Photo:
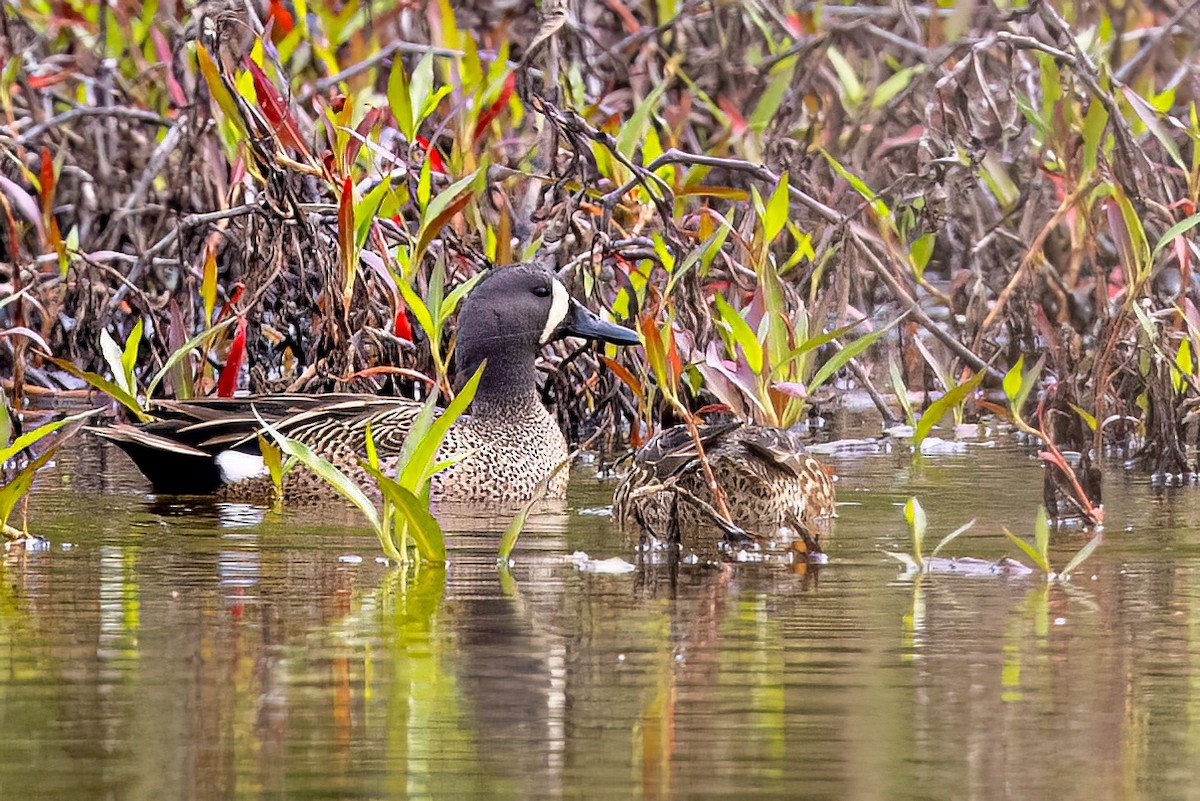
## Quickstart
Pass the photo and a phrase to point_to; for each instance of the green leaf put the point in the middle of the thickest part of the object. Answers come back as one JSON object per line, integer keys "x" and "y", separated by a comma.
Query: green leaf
{"x": 325, "y": 471}
{"x": 1028, "y": 550}
{"x": 101, "y": 383}
{"x": 425, "y": 183}
{"x": 1012, "y": 379}
{"x": 742, "y": 333}
{"x": 400, "y": 99}
{"x": 427, "y": 447}
{"x": 878, "y": 206}
{"x": 420, "y": 87}
{"x": 852, "y": 88}
{"x": 634, "y": 129}
{"x": 1082, "y": 554}
{"x": 1041, "y": 535}
{"x": 6, "y": 424}
{"x": 30, "y": 437}
{"x": 182, "y": 352}
{"x": 16, "y": 489}
{"x": 893, "y": 86}
{"x": 943, "y": 406}
{"x": 416, "y": 305}
{"x": 372, "y": 451}
{"x": 273, "y": 460}
{"x": 1094, "y": 125}
{"x": 843, "y": 356}
{"x": 1087, "y": 418}
{"x": 435, "y": 215}
{"x": 419, "y": 522}
{"x": 455, "y": 296}
{"x": 417, "y": 432}
{"x": 130, "y": 354}
{"x": 1183, "y": 366}
{"x": 772, "y": 97}
{"x": 901, "y": 391}
{"x": 113, "y": 358}
{"x": 1179, "y": 228}
{"x": 776, "y": 215}
{"x": 1149, "y": 116}
{"x": 917, "y": 523}
{"x": 921, "y": 251}
{"x": 952, "y": 536}
{"x": 1022, "y": 383}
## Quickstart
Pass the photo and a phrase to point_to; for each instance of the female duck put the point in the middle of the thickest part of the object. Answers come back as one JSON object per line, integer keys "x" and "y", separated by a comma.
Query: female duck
{"x": 504, "y": 448}
{"x": 769, "y": 484}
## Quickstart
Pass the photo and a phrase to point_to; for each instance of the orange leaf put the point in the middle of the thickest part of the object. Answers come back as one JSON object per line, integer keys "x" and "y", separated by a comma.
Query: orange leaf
{"x": 437, "y": 223}
{"x": 622, "y": 372}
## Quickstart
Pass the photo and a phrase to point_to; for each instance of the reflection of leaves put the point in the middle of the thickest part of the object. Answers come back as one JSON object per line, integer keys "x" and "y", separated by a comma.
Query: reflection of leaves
{"x": 517, "y": 524}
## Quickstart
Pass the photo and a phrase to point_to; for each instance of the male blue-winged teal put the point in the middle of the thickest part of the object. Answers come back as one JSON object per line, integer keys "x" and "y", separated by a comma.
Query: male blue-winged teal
{"x": 506, "y": 445}
{"x": 770, "y": 483}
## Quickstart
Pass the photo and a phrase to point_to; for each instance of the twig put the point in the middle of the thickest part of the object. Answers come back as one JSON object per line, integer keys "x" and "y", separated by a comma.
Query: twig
{"x": 137, "y": 114}
{"x": 375, "y": 59}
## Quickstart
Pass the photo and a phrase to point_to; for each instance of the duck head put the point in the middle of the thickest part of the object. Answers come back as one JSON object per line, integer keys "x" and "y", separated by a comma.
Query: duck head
{"x": 507, "y": 318}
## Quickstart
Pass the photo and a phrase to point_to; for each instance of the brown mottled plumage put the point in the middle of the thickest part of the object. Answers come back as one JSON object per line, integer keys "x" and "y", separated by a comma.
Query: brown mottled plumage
{"x": 504, "y": 448}
{"x": 770, "y": 483}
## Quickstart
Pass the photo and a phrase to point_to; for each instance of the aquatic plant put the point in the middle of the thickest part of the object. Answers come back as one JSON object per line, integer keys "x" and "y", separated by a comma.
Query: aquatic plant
{"x": 1038, "y": 551}
{"x": 917, "y": 561}
{"x": 122, "y": 361}
{"x": 333, "y": 160}
{"x": 18, "y": 478}
{"x": 405, "y": 514}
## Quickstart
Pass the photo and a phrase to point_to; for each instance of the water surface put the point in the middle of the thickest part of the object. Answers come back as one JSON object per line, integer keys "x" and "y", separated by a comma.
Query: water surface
{"x": 185, "y": 650}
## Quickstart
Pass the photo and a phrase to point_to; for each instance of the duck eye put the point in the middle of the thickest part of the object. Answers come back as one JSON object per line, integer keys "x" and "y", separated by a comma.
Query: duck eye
{"x": 542, "y": 291}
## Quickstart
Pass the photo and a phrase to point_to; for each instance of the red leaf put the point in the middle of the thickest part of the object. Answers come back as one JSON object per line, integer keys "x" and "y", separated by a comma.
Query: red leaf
{"x": 276, "y": 109}
{"x": 737, "y": 122}
{"x": 355, "y": 143}
{"x": 282, "y": 19}
{"x": 51, "y": 79}
{"x": 163, "y": 50}
{"x": 46, "y": 178}
{"x": 435, "y": 158}
{"x": 233, "y": 296}
{"x": 402, "y": 327}
{"x": 227, "y": 383}
{"x": 493, "y": 111}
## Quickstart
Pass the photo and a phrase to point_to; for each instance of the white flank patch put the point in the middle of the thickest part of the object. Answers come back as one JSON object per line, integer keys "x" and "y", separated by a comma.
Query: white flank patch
{"x": 559, "y": 304}
{"x": 236, "y": 466}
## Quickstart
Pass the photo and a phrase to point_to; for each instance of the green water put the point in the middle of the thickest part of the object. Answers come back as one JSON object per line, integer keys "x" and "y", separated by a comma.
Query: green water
{"x": 177, "y": 652}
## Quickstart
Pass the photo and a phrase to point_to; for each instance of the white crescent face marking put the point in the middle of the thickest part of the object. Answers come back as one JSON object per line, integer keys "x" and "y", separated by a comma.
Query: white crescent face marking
{"x": 560, "y": 302}
{"x": 236, "y": 466}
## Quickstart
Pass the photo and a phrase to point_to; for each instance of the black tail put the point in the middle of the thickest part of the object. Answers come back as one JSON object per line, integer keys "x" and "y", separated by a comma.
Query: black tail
{"x": 172, "y": 467}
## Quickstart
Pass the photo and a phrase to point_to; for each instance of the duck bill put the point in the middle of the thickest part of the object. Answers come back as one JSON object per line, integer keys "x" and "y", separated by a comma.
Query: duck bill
{"x": 582, "y": 322}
